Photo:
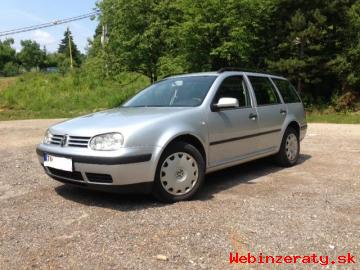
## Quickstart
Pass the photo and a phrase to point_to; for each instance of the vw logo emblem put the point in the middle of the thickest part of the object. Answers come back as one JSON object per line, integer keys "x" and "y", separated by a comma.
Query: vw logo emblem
{"x": 64, "y": 140}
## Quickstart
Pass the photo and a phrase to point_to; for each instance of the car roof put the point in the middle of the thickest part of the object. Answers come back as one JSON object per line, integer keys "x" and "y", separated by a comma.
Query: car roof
{"x": 213, "y": 73}
{"x": 234, "y": 72}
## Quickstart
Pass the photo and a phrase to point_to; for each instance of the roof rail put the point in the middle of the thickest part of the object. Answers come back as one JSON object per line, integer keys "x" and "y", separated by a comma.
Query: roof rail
{"x": 225, "y": 69}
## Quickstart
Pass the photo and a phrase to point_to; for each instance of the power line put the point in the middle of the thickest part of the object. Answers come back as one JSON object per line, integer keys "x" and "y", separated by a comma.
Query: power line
{"x": 49, "y": 24}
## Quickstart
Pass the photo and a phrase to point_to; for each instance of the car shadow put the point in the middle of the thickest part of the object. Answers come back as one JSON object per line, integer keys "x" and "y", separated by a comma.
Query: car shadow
{"x": 214, "y": 183}
{"x": 120, "y": 202}
{"x": 241, "y": 174}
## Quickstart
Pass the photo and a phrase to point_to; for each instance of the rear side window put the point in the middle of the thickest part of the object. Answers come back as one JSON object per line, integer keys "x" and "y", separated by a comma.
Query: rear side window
{"x": 264, "y": 90}
{"x": 287, "y": 91}
{"x": 234, "y": 87}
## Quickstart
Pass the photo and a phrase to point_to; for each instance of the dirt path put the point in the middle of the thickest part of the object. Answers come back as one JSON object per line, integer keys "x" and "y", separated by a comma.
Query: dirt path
{"x": 258, "y": 207}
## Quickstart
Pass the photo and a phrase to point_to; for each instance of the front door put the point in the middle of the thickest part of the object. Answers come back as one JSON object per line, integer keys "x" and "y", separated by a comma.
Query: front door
{"x": 231, "y": 130}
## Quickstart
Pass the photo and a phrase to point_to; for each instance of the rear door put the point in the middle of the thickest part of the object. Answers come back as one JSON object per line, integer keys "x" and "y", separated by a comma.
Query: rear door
{"x": 271, "y": 112}
{"x": 231, "y": 130}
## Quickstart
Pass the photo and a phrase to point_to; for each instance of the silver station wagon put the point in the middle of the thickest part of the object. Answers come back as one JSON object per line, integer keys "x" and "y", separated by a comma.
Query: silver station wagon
{"x": 167, "y": 137}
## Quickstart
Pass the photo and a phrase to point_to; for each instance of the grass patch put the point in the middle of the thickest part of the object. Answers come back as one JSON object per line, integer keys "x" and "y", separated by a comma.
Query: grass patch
{"x": 37, "y": 95}
{"x": 337, "y": 118}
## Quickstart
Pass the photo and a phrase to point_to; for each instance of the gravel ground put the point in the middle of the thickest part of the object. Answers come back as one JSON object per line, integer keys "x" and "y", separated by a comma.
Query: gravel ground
{"x": 257, "y": 207}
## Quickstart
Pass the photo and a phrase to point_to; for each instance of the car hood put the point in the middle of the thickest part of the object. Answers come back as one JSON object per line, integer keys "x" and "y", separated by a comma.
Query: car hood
{"x": 114, "y": 120}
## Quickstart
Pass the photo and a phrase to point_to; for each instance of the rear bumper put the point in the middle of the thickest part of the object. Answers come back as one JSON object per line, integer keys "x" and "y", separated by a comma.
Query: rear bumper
{"x": 135, "y": 166}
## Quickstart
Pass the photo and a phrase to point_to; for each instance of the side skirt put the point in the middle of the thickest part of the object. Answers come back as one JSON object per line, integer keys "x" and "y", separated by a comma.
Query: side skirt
{"x": 242, "y": 159}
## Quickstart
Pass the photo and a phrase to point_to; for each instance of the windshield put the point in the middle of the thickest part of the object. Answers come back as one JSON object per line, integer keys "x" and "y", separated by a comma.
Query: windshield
{"x": 174, "y": 92}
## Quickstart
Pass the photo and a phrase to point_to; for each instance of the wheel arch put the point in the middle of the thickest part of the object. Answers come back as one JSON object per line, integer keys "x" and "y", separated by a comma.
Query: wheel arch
{"x": 295, "y": 125}
{"x": 191, "y": 139}
{"x": 162, "y": 192}
{"x": 289, "y": 123}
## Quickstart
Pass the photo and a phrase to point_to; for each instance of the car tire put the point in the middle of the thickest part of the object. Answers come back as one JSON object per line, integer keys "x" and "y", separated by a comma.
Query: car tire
{"x": 288, "y": 154}
{"x": 179, "y": 174}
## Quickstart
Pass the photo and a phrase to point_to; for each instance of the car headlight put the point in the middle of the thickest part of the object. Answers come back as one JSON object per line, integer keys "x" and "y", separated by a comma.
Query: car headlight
{"x": 107, "y": 142}
{"x": 47, "y": 137}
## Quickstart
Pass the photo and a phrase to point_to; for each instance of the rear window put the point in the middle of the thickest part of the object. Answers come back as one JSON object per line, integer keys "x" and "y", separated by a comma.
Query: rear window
{"x": 264, "y": 90}
{"x": 287, "y": 91}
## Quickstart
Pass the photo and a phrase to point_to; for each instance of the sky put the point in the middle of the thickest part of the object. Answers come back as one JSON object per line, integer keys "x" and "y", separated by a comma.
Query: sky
{"x": 22, "y": 13}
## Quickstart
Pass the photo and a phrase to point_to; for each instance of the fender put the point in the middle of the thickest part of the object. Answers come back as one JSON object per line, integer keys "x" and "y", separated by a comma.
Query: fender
{"x": 170, "y": 135}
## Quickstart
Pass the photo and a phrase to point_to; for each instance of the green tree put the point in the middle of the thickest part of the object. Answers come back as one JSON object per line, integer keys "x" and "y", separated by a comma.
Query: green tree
{"x": 7, "y": 53}
{"x": 308, "y": 36}
{"x": 52, "y": 59}
{"x": 316, "y": 44}
{"x": 10, "y": 69}
{"x": 63, "y": 64}
{"x": 346, "y": 64}
{"x": 217, "y": 34}
{"x": 94, "y": 44}
{"x": 64, "y": 48}
{"x": 138, "y": 34}
{"x": 300, "y": 41}
{"x": 31, "y": 55}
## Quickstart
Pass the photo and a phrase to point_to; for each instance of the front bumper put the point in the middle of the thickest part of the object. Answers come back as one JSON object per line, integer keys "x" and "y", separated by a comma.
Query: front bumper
{"x": 96, "y": 169}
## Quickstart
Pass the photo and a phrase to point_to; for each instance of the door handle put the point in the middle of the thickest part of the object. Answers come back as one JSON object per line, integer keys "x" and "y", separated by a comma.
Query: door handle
{"x": 283, "y": 112}
{"x": 253, "y": 116}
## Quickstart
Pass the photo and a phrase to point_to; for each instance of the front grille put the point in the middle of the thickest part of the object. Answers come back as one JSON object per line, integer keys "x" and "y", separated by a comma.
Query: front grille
{"x": 78, "y": 141}
{"x": 64, "y": 174}
{"x": 72, "y": 141}
{"x": 99, "y": 178}
{"x": 56, "y": 139}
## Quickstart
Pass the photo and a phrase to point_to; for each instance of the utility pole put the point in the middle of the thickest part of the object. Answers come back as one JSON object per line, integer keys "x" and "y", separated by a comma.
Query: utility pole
{"x": 104, "y": 40}
{"x": 104, "y": 35}
{"x": 71, "y": 58}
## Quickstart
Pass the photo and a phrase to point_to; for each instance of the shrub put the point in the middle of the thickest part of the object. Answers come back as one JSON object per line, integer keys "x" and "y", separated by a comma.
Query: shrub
{"x": 10, "y": 69}
{"x": 346, "y": 102}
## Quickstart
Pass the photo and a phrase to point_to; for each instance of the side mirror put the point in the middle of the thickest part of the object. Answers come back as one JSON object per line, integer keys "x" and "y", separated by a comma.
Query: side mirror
{"x": 226, "y": 103}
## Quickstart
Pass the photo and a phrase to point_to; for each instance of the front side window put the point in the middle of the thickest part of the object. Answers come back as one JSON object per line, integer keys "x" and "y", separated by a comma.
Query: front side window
{"x": 287, "y": 91}
{"x": 234, "y": 87}
{"x": 174, "y": 92}
{"x": 264, "y": 91}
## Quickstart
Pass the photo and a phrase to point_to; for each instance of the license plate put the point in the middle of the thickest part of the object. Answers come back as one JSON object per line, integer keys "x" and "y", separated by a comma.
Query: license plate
{"x": 59, "y": 163}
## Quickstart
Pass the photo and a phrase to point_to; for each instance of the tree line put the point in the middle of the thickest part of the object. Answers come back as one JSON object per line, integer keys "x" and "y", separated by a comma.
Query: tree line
{"x": 316, "y": 44}
{"x": 33, "y": 57}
